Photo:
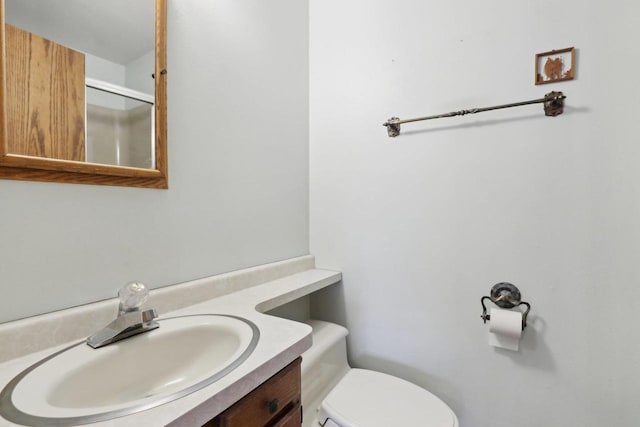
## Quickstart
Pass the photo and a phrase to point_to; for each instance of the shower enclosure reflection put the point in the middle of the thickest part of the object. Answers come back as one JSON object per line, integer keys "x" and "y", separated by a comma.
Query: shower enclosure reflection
{"x": 119, "y": 129}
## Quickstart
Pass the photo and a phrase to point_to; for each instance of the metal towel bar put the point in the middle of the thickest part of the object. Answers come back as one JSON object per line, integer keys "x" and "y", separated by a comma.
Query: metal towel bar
{"x": 553, "y": 106}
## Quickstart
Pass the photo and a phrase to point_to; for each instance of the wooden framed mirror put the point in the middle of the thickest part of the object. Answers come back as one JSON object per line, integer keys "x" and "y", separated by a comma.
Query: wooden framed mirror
{"x": 53, "y": 127}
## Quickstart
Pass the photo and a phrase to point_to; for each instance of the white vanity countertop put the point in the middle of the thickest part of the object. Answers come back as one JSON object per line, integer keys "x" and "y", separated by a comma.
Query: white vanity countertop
{"x": 281, "y": 342}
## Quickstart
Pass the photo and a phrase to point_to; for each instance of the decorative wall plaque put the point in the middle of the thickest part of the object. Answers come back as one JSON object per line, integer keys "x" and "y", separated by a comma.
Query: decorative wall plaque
{"x": 555, "y": 66}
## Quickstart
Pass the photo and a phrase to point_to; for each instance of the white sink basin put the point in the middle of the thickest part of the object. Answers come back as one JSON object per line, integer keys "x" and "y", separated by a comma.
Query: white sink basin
{"x": 80, "y": 384}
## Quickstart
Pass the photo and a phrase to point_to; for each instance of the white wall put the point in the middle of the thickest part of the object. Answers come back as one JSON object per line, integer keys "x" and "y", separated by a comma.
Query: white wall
{"x": 107, "y": 71}
{"x": 138, "y": 73}
{"x": 423, "y": 225}
{"x": 238, "y": 192}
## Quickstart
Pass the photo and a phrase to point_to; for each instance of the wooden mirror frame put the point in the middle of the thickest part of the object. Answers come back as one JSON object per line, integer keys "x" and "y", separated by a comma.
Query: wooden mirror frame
{"x": 28, "y": 168}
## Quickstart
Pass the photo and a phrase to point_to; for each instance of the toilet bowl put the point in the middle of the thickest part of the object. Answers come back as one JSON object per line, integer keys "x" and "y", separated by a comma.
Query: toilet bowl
{"x": 336, "y": 395}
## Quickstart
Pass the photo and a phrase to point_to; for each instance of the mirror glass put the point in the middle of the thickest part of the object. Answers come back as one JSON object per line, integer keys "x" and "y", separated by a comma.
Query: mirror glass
{"x": 81, "y": 93}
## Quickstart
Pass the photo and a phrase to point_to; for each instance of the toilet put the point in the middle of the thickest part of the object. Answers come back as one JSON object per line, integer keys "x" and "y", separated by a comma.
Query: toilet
{"x": 336, "y": 395}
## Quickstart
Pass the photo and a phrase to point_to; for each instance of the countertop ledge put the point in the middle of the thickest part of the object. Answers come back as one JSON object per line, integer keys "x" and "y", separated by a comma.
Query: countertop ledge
{"x": 281, "y": 342}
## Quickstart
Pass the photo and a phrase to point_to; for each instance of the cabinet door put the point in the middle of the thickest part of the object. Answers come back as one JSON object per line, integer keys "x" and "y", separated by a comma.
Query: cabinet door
{"x": 276, "y": 403}
{"x": 45, "y": 97}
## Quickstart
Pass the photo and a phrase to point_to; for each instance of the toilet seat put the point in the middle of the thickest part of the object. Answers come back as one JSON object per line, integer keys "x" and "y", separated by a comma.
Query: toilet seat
{"x": 366, "y": 398}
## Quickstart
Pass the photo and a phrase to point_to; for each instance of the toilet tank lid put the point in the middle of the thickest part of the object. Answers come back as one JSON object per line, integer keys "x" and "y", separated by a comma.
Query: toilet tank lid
{"x": 374, "y": 399}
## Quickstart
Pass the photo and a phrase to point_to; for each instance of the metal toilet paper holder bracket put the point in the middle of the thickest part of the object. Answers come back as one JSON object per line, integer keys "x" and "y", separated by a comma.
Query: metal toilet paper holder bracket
{"x": 505, "y": 295}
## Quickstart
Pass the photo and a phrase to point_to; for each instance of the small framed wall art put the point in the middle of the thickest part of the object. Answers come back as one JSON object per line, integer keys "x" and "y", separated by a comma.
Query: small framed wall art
{"x": 555, "y": 66}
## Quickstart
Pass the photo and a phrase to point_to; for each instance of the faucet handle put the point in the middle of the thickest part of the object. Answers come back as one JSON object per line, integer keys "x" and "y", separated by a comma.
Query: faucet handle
{"x": 132, "y": 296}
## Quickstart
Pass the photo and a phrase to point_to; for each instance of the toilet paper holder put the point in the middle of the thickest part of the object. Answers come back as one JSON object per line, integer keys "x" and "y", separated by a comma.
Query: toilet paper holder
{"x": 505, "y": 295}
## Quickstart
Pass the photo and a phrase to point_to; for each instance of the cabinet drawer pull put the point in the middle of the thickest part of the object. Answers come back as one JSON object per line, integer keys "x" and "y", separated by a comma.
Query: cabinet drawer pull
{"x": 272, "y": 405}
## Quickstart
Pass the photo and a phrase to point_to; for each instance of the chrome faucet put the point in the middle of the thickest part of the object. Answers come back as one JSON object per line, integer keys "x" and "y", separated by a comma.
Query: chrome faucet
{"x": 130, "y": 321}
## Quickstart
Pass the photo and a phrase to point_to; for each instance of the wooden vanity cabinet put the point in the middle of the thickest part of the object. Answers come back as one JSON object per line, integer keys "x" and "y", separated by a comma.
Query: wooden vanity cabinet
{"x": 275, "y": 403}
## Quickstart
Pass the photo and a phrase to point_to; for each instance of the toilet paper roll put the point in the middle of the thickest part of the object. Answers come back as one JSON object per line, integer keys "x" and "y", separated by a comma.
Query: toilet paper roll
{"x": 505, "y": 328}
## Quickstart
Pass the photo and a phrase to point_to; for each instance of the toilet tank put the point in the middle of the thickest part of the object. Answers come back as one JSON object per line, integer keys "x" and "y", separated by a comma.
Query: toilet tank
{"x": 323, "y": 365}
